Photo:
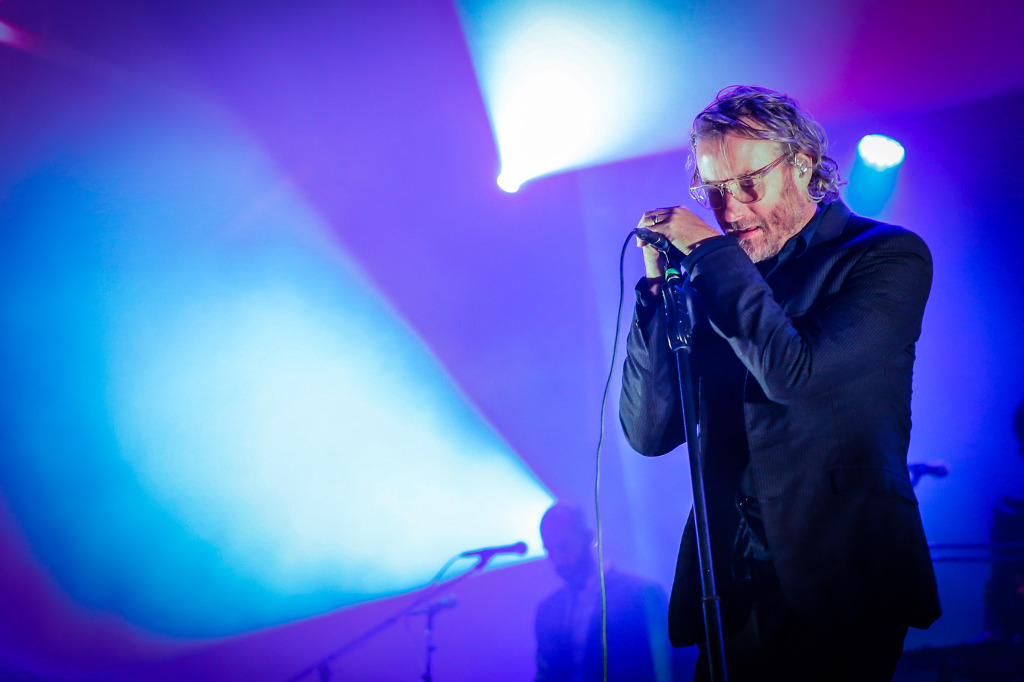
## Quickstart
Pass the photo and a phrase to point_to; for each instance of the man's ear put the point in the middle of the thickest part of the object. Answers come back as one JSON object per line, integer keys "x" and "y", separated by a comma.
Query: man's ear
{"x": 803, "y": 166}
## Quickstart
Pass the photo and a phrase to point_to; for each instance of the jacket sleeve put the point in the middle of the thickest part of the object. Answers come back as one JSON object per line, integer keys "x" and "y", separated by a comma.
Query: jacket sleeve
{"x": 863, "y": 313}
{"x": 649, "y": 406}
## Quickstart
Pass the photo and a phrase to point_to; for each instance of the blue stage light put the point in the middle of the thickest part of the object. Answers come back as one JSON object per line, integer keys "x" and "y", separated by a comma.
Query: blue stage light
{"x": 219, "y": 424}
{"x": 874, "y": 173}
{"x": 880, "y": 152}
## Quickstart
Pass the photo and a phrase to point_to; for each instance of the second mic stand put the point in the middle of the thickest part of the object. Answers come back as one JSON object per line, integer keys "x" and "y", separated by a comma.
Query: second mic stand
{"x": 322, "y": 667}
{"x": 431, "y": 610}
{"x": 680, "y": 320}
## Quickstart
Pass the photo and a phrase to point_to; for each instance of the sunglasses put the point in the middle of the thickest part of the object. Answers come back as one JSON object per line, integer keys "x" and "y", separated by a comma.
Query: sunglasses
{"x": 745, "y": 189}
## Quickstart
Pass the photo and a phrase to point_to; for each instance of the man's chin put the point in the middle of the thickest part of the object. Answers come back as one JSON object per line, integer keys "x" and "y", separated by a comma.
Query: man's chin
{"x": 759, "y": 248}
{"x": 755, "y": 251}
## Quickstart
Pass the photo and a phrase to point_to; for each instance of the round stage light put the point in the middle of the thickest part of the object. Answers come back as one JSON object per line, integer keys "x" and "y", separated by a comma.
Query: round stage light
{"x": 880, "y": 152}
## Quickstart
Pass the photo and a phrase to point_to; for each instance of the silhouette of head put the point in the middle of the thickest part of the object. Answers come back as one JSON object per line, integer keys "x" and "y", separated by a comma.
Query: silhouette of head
{"x": 568, "y": 541}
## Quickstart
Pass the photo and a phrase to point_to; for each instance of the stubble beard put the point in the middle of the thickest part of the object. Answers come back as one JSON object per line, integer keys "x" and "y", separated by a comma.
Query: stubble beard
{"x": 783, "y": 222}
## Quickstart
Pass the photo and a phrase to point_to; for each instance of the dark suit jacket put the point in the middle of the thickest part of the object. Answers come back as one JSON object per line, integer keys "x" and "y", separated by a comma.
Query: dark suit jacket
{"x": 826, "y": 344}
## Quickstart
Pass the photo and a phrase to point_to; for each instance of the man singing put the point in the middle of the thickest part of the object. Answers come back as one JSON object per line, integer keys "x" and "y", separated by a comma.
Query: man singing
{"x": 803, "y": 354}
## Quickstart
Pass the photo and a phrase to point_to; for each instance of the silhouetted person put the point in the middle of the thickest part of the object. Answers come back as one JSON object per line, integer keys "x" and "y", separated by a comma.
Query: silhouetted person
{"x": 1004, "y": 593}
{"x": 568, "y": 622}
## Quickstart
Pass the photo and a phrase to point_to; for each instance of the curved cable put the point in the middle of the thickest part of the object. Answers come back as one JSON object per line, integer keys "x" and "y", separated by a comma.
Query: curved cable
{"x": 597, "y": 474}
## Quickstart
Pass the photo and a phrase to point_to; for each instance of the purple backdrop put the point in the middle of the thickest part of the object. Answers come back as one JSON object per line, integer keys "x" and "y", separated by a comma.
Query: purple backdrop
{"x": 372, "y": 110}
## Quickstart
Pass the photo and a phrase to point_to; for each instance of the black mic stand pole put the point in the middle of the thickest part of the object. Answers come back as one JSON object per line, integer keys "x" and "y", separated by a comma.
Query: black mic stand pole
{"x": 680, "y": 319}
{"x": 322, "y": 667}
{"x": 431, "y": 610}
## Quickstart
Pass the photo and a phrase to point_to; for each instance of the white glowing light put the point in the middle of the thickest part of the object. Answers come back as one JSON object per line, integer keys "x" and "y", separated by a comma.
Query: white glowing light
{"x": 880, "y": 152}
{"x": 563, "y": 85}
{"x": 510, "y": 184}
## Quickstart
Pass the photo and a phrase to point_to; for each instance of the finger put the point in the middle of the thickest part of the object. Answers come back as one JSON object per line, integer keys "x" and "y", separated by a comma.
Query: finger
{"x": 658, "y": 215}
{"x": 651, "y": 219}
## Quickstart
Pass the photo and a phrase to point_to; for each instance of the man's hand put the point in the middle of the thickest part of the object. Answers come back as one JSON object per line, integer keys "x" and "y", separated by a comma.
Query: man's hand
{"x": 682, "y": 227}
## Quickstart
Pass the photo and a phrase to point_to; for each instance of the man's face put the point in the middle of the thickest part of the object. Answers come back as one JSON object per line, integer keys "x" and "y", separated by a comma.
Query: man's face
{"x": 762, "y": 227}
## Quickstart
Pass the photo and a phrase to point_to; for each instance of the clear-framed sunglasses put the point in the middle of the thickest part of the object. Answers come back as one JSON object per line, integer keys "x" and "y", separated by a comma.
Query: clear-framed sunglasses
{"x": 745, "y": 189}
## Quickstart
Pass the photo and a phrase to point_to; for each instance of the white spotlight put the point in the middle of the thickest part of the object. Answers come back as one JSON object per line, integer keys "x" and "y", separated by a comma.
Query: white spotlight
{"x": 509, "y": 183}
{"x": 563, "y": 80}
{"x": 880, "y": 152}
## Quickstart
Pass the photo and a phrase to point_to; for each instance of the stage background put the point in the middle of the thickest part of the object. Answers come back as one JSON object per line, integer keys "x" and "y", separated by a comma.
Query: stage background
{"x": 337, "y": 158}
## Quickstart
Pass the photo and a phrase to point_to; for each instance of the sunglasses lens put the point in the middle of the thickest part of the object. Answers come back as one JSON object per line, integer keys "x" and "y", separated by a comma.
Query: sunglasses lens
{"x": 749, "y": 190}
{"x": 708, "y": 196}
{"x": 715, "y": 198}
{"x": 746, "y": 190}
{"x": 699, "y": 196}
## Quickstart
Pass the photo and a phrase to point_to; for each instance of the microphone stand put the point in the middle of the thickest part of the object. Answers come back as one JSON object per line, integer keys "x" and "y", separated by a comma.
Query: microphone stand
{"x": 431, "y": 610}
{"x": 322, "y": 667}
{"x": 680, "y": 320}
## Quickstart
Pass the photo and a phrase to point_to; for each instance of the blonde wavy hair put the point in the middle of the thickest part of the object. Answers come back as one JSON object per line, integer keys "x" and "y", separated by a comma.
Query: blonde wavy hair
{"x": 763, "y": 114}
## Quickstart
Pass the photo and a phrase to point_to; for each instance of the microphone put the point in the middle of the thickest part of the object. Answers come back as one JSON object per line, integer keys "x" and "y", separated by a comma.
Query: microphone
{"x": 487, "y": 553}
{"x": 655, "y": 239}
{"x": 661, "y": 243}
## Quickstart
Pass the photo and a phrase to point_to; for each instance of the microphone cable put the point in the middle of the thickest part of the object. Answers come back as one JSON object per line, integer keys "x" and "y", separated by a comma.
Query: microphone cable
{"x": 597, "y": 473}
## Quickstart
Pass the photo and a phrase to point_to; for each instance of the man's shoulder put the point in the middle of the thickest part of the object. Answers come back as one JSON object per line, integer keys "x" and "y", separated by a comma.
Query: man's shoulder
{"x": 859, "y": 232}
{"x": 551, "y": 611}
